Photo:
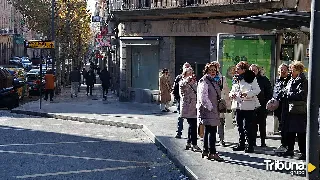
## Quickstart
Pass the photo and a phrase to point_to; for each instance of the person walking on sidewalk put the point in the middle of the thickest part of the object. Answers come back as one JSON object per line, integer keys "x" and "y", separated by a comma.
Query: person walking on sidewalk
{"x": 49, "y": 86}
{"x": 75, "y": 78}
{"x": 222, "y": 82}
{"x": 105, "y": 79}
{"x": 261, "y": 112}
{"x": 165, "y": 90}
{"x": 188, "y": 94}
{"x": 244, "y": 94}
{"x": 176, "y": 95}
{"x": 207, "y": 110}
{"x": 90, "y": 79}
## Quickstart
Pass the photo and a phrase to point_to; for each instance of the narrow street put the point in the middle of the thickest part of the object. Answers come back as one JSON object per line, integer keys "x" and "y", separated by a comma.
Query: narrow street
{"x": 43, "y": 148}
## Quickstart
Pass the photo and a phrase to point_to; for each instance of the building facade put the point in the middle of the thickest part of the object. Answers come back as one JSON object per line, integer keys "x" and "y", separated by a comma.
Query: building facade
{"x": 153, "y": 35}
{"x": 11, "y": 41}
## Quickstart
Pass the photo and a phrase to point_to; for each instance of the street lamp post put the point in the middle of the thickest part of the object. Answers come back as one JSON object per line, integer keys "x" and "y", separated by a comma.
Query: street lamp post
{"x": 313, "y": 95}
{"x": 53, "y": 34}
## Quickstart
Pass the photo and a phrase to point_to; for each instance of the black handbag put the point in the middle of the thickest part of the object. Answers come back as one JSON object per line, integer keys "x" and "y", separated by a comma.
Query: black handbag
{"x": 297, "y": 107}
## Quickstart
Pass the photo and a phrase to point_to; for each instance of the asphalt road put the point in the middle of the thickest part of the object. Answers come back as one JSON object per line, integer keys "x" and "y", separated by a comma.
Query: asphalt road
{"x": 40, "y": 148}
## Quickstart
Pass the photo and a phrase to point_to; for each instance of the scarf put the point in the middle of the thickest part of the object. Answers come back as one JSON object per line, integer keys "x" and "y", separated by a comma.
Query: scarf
{"x": 237, "y": 78}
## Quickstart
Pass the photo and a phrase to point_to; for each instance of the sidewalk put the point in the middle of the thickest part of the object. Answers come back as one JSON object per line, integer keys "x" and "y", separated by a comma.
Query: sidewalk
{"x": 161, "y": 127}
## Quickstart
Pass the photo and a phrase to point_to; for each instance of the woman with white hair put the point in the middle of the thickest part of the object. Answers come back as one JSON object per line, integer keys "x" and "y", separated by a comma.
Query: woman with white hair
{"x": 188, "y": 94}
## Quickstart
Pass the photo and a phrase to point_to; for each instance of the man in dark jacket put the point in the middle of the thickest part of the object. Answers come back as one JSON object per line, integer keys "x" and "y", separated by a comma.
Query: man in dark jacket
{"x": 90, "y": 79}
{"x": 261, "y": 113}
{"x": 75, "y": 78}
{"x": 105, "y": 79}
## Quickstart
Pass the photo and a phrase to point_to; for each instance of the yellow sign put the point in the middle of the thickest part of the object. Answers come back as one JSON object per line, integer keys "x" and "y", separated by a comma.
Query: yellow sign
{"x": 40, "y": 44}
{"x": 311, "y": 167}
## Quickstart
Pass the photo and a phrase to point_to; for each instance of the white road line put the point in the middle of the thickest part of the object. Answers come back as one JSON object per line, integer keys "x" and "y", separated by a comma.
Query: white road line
{"x": 73, "y": 157}
{"x": 81, "y": 171}
{"x": 49, "y": 143}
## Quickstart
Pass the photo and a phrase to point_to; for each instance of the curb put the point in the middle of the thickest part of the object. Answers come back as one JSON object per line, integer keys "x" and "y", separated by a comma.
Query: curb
{"x": 184, "y": 169}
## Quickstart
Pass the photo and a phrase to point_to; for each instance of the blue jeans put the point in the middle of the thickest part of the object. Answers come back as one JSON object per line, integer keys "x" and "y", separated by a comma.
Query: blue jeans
{"x": 180, "y": 119}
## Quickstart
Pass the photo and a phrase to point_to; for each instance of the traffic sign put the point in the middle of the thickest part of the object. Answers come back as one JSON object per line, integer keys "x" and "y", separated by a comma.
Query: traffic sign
{"x": 40, "y": 44}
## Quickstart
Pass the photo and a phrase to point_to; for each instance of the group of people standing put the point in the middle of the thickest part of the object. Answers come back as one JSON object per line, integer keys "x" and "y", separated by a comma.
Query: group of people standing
{"x": 250, "y": 99}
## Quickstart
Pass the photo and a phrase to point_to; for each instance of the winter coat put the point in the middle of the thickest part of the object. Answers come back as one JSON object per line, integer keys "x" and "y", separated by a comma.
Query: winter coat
{"x": 165, "y": 89}
{"x": 75, "y": 76}
{"x": 91, "y": 77}
{"x": 188, "y": 101}
{"x": 175, "y": 88}
{"x": 248, "y": 85}
{"x": 279, "y": 94}
{"x": 207, "y": 101}
{"x": 266, "y": 90}
{"x": 225, "y": 94}
{"x": 105, "y": 78}
{"x": 296, "y": 90}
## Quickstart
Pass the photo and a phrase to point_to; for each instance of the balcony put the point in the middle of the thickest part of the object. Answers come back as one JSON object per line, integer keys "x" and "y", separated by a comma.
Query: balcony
{"x": 188, "y": 9}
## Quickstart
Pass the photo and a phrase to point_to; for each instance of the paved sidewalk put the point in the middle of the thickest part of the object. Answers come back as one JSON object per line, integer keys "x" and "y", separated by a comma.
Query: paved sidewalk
{"x": 161, "y": 127}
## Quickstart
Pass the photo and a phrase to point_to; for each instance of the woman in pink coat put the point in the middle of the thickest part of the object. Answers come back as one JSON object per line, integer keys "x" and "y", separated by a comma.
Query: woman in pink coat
{"x": 188, "y": 94}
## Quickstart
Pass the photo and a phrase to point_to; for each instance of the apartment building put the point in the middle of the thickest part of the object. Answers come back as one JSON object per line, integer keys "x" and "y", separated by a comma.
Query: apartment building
{"x": 11, "y": 42}
{"x": 167, "y": 33}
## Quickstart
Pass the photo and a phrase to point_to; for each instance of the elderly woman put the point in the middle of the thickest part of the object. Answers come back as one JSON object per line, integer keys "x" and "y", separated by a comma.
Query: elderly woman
{"x": 188, "y": 94}
{"x": 261, "y": 112}
{"x": 244, "y": 93}
{"x": 279, "y": 95}
{"x": 295, "y": 111}
{"x": 165, "y": 90}
{"x": 222, "y": 82}
{"x": 207, "y": 107}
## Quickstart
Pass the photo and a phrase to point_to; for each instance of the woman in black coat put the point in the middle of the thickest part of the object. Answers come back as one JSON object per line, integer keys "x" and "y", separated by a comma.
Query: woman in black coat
{"x": 295, "y": 110}
{"x": 90, "y": 79}
{"x": 279, "y": 95}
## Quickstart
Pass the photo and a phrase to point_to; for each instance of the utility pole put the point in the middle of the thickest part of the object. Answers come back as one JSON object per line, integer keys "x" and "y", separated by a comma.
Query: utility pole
{"x": 313, "y": 95}
{"x": 53, "y": 34}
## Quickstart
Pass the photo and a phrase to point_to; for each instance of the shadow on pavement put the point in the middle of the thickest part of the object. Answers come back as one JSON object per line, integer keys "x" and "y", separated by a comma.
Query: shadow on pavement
{"x": 29, "y": 153}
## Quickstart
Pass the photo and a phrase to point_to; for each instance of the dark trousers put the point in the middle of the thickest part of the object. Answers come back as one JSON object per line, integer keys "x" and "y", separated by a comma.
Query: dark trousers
{"x": 291, "y": 137}
{"x": 47, "y": 92}
{"x": 244, "y": 120}
{"x": 282, "y": 126}
{"x": 192, "y": 131}
{"x": 260, "y": 123}
{"x": 209, "y": 139}
{"x": 105, "y": 90}
{"x": 89, "y": 88}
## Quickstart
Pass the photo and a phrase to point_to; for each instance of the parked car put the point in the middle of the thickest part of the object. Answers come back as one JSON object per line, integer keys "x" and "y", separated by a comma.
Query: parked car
{"x": 9, "y": 97}
{"x": 33, "y": 81}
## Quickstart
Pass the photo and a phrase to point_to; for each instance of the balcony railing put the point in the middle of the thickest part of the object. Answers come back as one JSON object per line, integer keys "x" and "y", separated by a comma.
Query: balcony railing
{"x": 125, "y": 5}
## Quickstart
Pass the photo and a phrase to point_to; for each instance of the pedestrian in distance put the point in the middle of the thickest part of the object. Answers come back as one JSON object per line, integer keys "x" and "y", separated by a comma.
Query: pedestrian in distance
{"x": 176, "y": 95}
{"x": 165, "y": 90}
{"x": 49, "y": 86}
{"x": 208, "y": 114}
{"x": 84, "y": 74}
{"x": 105, "y": 79}
{"x": 75, "y": 79}
{"x": 90, "y": 79}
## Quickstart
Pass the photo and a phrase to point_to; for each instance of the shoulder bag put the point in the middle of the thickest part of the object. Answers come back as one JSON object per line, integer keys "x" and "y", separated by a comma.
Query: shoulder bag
{"x": 222, "y": 105}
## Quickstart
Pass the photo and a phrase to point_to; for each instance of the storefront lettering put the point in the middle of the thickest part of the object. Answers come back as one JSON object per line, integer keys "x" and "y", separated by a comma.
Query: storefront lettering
{"x": 138, "y": 27}
{"x": 189, "y": 26}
